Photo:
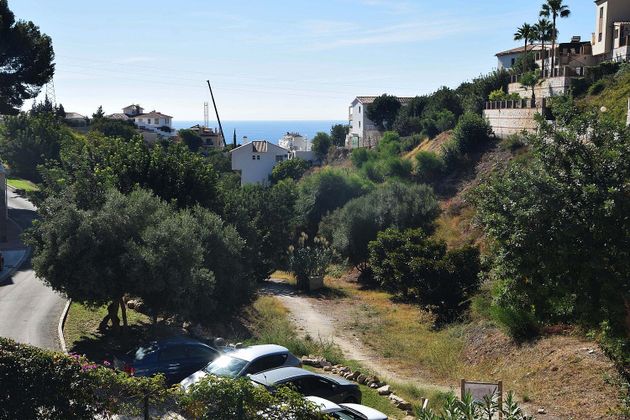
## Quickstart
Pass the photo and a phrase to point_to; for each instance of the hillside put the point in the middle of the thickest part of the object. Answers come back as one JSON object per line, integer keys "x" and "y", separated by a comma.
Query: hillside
{"x": 611, "y": 92}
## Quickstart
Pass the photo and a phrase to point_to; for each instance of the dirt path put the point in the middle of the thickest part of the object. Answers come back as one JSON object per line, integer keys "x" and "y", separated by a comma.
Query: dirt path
{"x": 320, "y": 318}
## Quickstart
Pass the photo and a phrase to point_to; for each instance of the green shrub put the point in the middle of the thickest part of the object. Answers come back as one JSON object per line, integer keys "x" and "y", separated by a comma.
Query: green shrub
{"x": 289, "y": 169}
{"x": 597, "y": 87}
{"x": 352, "y": 227}
{"x": 362, "y": 155}
{"x": 42, "y": 384}
{"x": 513, "y": 142}
{"x": 324, "y": 192}
{"x": 470, "y": 409}
{"x": 215, "y": 398}
{"x": 308, "y": 261}
{"x": 521, "y": 325}
{"x": 429, "y": 166}
{"x": 417, "y": 268}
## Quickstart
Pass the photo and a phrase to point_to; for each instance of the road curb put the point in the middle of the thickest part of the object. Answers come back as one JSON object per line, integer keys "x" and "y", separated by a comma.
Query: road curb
{"x": 60, "y": 325}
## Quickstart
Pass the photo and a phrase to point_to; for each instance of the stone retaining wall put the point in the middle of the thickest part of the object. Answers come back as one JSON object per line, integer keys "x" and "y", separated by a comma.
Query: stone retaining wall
{"x": 505, "y": 122}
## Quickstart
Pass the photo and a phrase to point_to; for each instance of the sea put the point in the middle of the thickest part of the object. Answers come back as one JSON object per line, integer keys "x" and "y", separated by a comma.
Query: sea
{"x": 271, "y": 131}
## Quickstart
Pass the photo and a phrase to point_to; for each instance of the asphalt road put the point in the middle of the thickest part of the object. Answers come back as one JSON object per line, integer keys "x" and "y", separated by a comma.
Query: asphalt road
{"x": 29, "y": 310}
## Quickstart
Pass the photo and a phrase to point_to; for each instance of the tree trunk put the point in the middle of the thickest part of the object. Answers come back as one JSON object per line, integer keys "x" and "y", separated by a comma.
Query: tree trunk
{"x": 123, "y": 311}
{"x": 543, "y": 56}
{"x": 112, "y": 315}
{"x": 553, "y": 47}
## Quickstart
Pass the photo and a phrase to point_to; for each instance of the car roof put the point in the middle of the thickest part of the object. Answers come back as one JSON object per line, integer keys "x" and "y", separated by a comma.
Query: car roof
{"x": 284, "y": 374}
{"x": 253, "y": 352}
{"x": 171, "y": 341}
{"x": 323, "y": 404}
{"x": 368, "y": 412}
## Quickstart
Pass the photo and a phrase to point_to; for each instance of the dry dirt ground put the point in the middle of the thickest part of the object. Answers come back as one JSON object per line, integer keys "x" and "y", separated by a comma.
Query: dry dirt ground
{"x": 563, "y": 374}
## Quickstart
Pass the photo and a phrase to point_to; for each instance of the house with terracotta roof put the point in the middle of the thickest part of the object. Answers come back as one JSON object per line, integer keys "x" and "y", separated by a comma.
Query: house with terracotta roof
{"x": 363, "y": 132}
{"x": 256, "y": 160}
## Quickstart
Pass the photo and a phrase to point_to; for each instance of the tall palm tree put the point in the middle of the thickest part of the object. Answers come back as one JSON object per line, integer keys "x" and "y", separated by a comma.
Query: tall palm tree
{"x": 543, "y": 31}
{"x": 525, "y": 32}
{"x": 554, "y": 9}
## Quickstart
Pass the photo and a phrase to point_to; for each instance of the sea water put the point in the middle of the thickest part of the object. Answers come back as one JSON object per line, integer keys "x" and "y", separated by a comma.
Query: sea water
{"x": 271, "y": 131}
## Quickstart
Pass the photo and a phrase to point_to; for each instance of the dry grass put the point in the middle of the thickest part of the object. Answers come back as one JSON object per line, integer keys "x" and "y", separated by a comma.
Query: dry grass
{"x": 430, "y": 145}
{"x": 286, "y": 276}
{"x": 552, "y": 372}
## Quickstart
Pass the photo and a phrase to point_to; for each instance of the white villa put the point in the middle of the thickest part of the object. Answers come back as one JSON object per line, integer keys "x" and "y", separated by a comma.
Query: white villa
{"x": 294, "y": 141}
{"x": 574, "y": 59}
{"x": 363, "y": 132}
{"x": 256, "y": 160}
{"x": 152, "y": 122}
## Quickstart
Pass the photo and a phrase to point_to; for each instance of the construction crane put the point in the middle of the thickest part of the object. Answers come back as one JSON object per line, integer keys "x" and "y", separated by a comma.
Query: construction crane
{"x": 216, "y": 112}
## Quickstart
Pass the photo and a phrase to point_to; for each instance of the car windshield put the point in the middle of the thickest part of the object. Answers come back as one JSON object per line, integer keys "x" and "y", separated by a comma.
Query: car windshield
{"x": 347, "y": 415}
{"x": 226, "y": 366}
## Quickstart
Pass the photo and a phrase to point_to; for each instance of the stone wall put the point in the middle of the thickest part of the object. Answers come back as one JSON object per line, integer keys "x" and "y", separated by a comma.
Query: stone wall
{"x": 505, "y": 122}
{"x": 548, "y": 87}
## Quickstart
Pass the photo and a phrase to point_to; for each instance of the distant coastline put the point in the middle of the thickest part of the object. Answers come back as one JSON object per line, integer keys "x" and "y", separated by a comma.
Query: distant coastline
{"x": 265, "y": 130}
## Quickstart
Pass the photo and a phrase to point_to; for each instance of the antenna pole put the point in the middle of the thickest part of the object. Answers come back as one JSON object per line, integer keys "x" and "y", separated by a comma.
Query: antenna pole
{"x": 216, "y": 111}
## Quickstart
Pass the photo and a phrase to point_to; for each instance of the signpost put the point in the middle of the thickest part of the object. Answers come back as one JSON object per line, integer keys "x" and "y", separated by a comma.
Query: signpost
{"x": 479, "y": 390}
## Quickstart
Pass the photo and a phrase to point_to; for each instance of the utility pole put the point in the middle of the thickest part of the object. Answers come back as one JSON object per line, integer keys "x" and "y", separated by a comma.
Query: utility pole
{"x": 50, "y": 92}
{"x": 216, "y": 111}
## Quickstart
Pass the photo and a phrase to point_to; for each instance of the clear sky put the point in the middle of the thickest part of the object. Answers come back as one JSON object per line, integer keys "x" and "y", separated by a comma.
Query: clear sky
{"x": 274, "y": 60}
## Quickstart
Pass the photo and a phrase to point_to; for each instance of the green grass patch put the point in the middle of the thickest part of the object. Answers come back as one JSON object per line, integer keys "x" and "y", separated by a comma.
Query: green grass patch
{"x": 22, "y": 184}
{"x": 82, "y": 335}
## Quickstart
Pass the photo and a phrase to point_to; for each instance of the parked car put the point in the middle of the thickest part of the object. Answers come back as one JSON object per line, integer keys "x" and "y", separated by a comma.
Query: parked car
{"x": 332, "y": 388}
{"x": 176, "y": 358}
{"x": 346, "y": 411}
{"x": 246, "y": 361}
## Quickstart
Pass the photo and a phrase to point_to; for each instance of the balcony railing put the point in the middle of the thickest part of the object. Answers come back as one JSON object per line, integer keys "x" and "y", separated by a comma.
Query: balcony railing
{"x": 516, "y": 104}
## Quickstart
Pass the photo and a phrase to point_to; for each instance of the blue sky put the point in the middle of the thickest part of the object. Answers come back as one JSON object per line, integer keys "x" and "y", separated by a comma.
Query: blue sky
{"x": 274, "y": 60}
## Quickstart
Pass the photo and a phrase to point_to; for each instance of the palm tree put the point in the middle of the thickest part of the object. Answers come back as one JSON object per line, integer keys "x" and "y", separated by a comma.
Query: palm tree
{"x": 525, "y": 32}
{"x": 553, "y": 9}
{"x": 543, "y": 31}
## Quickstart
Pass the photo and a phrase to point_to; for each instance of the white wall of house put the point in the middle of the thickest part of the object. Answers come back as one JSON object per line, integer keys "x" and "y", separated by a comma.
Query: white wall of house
{"x": 256, "y": 166}
{"x": 507, "y": 61}
{"x": 607, "y": 12}
{"x": 360, "y": 125}
{"x": 153, "y": 121}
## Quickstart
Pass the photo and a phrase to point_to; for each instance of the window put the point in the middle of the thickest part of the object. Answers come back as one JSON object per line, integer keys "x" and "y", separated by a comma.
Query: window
{"x": 257, "y": 157}
{"x": 200, "y": 352}
{"x": 279, "y": 158}
{"x": 616, "y": 33}
{"x": 266, "y": 363}
{"x": 359, "y": 109}
{"x": 172, "y": 353}
{"x": 148, "y": 120}
{"x": 253, "y": 157}
{"x": 601, "y": 13}
{"x": 359, "y": 124}
{"x": 600, "y": 37}
{"x": 513, "y": 61}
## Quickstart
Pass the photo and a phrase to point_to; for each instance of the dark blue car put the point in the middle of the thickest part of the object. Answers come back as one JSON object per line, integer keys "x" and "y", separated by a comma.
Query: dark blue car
{"x": 175, "y": 358}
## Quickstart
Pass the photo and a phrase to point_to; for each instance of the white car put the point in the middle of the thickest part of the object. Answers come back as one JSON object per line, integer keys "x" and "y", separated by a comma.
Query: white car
{"x": 246, "y": 361}
{"x": 347, "y": 411}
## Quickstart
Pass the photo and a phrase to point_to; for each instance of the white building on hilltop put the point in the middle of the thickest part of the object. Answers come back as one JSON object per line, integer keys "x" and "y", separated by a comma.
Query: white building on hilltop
{"x": 295, "y": 142}
{"x": 363, "y": 132}
{"x": 256, "y": 160}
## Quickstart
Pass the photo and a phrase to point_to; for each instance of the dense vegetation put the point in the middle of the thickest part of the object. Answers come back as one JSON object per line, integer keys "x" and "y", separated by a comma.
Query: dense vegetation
{"x": 47, "y": 385}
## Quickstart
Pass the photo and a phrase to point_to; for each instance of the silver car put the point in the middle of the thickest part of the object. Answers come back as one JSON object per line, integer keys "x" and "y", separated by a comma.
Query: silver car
{"x": 346, "y": 411}
{"x": 246, "y": 361}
